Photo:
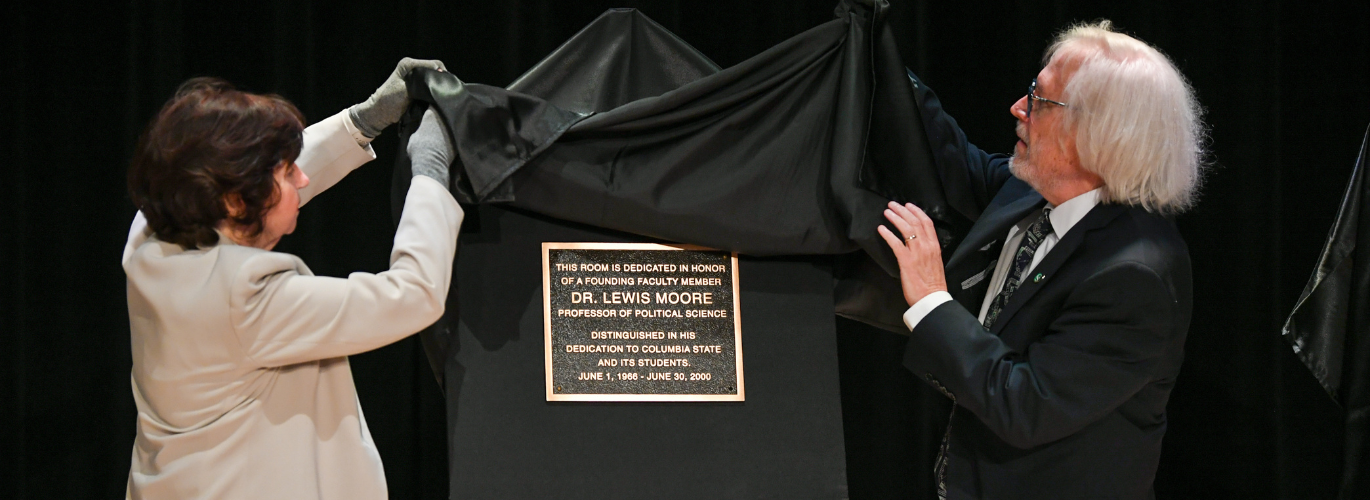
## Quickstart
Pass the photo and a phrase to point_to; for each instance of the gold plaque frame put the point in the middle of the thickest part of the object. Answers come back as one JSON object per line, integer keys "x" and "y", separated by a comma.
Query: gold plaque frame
{"x": 547, "y": 327}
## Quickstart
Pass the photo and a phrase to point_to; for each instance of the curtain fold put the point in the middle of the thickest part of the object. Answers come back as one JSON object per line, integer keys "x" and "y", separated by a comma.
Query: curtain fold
{"x": 1329, "y": 328}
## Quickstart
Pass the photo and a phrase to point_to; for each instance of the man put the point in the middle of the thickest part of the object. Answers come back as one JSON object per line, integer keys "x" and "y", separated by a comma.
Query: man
{"x": 1062, "y": 332}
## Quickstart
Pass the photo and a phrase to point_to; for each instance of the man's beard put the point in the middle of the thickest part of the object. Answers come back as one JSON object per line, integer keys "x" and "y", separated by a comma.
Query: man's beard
{"x": 1026, "y": 170}
{"x": 1019, "y": 164}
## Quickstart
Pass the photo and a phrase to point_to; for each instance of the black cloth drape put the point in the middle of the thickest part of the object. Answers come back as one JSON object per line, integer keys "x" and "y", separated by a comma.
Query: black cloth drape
{"x": 794, "y": 151}
{"x": 1329, "y": 328}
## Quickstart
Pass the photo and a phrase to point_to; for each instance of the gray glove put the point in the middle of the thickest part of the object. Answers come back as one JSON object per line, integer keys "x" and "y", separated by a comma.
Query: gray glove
{"x": 385, "y": 106}
{"x": 430, "y": 150}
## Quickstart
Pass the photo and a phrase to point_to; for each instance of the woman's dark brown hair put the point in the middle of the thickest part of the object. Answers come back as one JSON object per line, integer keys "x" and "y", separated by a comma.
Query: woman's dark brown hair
{"x": 208, "y": 142}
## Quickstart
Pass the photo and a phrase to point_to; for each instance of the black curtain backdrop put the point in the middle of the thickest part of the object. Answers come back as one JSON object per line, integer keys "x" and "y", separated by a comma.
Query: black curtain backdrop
{"x": 1286, "y": 85}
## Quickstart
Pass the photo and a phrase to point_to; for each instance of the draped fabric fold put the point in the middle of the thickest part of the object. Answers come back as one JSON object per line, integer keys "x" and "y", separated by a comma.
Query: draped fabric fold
{"x": 794, "y": 151}
{"x": 1329, "y": 328}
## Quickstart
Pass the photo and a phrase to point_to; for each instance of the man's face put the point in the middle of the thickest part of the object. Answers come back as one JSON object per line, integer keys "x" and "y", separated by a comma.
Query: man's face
{"x": 1045, "y": 152}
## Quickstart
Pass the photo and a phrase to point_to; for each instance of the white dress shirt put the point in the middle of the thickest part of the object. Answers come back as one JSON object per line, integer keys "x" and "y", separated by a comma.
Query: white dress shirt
{"x": 1062, "y": 219}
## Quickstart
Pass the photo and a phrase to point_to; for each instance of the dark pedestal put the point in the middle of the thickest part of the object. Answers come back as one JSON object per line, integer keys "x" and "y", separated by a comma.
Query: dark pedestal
{"x": 506, "y": 441}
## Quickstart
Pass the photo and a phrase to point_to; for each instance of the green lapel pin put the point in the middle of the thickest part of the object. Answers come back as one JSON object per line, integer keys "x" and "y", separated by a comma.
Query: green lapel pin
{"x": 1038, "y": 278}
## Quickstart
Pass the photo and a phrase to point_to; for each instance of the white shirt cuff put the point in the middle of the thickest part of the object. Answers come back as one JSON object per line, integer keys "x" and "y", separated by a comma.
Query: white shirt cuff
{"x": 924, "y": 306}
{"x": 362, "y": 139}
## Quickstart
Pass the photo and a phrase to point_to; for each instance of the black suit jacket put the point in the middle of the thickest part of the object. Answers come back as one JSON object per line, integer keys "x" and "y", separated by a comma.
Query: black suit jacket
{"x": 1065, "y": 396}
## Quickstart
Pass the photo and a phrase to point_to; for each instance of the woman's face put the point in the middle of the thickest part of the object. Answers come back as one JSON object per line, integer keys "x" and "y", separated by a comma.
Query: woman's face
{"x": 280, "y": 219}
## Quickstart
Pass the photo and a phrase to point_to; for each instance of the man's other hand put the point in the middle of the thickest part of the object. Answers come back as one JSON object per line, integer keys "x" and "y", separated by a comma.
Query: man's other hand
{"x": 919, "y": 255}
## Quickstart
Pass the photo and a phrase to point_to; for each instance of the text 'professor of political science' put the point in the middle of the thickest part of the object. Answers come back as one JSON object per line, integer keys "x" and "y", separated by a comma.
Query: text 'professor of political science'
{"x": 1081, "y": 281}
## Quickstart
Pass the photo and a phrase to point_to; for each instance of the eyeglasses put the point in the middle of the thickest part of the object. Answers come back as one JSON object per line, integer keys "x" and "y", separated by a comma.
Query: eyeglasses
{"x": 1032, "y": 96}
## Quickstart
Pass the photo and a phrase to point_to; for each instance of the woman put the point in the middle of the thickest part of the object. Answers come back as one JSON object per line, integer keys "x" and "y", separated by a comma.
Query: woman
{"x": 240, "y": 372}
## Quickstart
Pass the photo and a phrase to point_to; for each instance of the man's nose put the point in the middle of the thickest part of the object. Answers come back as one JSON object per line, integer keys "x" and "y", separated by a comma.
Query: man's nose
{"x": 1019, "y": 109}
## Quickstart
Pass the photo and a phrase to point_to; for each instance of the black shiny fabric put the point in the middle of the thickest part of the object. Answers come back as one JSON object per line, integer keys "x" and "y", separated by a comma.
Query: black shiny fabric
{"x": 794, "y": 151}
{"x": 1329, "y": 328}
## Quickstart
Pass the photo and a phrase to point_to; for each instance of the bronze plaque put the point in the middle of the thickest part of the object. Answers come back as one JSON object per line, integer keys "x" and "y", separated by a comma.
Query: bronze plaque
{"x": 641, "y": 322}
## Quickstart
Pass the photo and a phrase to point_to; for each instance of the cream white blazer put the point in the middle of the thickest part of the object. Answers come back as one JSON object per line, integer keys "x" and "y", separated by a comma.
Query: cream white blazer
{"x": 240, "y": 369}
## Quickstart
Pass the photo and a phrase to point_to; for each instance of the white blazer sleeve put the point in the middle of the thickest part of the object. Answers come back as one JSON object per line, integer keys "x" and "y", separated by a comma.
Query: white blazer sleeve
{"x": 329, "y": 154}
{"x": 284, "y": 316}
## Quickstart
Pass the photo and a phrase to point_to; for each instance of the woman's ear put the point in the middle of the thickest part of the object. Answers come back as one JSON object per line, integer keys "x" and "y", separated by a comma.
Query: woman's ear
{"x": 233, "y": 203}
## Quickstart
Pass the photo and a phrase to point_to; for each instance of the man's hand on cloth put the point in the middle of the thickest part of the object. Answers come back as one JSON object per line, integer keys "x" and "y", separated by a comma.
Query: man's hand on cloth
{"x": 389, "y": 102}
{"x": 919, "y": 255}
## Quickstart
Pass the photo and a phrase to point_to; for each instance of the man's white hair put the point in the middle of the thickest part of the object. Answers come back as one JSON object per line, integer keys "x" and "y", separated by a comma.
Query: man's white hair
{"x": 1137, "y": 123}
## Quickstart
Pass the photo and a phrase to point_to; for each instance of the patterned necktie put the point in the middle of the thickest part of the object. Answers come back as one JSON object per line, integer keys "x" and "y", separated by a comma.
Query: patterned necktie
{"x": 1037, "y": 232}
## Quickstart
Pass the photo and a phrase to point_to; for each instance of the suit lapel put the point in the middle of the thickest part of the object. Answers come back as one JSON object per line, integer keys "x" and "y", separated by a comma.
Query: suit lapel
{"x": 983, "y": 244}
{"x": 1097, "y": 217}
